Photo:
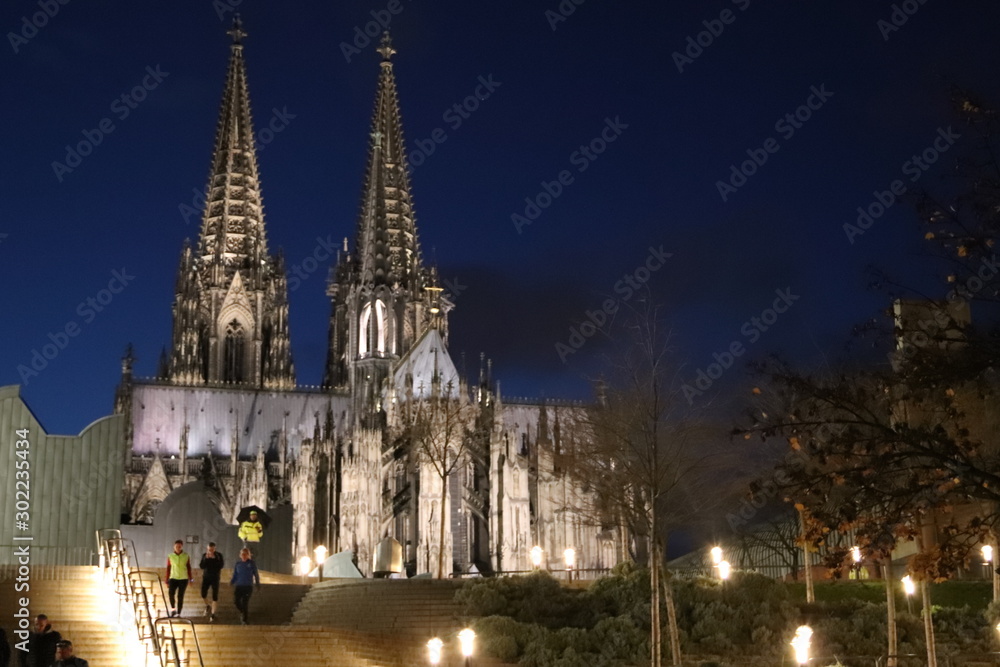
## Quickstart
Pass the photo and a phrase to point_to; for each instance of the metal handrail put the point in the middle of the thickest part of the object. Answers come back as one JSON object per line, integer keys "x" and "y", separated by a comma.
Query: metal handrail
{"x": 170, "y": 622}
{"x": 102, "y": 543}
{"x": 117, "y": 548}
{"x": 132, "y": 583}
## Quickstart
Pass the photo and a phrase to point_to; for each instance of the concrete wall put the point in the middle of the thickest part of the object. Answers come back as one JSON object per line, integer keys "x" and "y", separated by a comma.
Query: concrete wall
{"x": 189, "y": 514}
{"x": 73, "y": 483}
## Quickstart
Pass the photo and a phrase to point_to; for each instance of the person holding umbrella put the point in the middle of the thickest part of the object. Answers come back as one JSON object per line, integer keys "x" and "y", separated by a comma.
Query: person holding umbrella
{"x": 252, "y": 522}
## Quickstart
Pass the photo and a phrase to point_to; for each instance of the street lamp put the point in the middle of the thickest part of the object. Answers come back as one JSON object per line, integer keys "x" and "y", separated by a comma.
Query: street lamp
{"x": 320, "y": 552}
{"x": 725, "y": 569}
{"x": 468, "y": 639}
{"x": 434, "y": 650}
{"x": 909, "y": 588}
{"x": 569, "y": 555}
{"x": 856, "y": 558}
{"x": 536, "y": 556}
{"x": 305, "y": 566}
{"x": 716, "y": 555}
{"x": 800, "y": 644}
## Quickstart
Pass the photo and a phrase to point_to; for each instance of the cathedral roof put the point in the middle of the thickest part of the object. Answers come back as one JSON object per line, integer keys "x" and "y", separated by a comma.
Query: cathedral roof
{"x": 232, "y": 230}
{"x": 427, "y": 362}
{"x": 387, "y": 245}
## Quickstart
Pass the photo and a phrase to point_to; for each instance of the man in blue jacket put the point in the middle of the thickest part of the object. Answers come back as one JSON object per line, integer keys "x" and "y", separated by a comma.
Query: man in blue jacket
{"x": 245, "y": 575}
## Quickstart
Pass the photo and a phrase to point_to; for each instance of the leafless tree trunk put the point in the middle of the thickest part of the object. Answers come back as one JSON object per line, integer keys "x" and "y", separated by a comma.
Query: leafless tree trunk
{"x": 444, "y": 514}
{"x": 925, "y": 596}
{"x": 675, "y": 633}
{"x": 655, "y": 641}
{"x": 807, "y": 560}
{"x": 890, "y": 606}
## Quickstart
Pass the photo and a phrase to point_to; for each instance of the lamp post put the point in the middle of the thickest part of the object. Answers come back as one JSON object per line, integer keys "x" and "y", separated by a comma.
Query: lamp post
{"x": 569, "y": 555}
{"x": 320, "y": 552}
{"x": 856, "y": 558}
{"x": 434, "y": 650}
{"x": 909, "y": 588}
{"x": 536, "y": 556}
{"x": 305, "y": 565}
{"x": 468, "y": 639}
{"x": 800, "y": 644}
{"x": 716, "y": 553}
{"x": 991, "y": 570}
{"x": 725, "y": 570}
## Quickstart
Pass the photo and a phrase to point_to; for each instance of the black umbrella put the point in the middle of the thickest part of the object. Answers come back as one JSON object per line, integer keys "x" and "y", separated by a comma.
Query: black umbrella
{"x": 262, "y": 516}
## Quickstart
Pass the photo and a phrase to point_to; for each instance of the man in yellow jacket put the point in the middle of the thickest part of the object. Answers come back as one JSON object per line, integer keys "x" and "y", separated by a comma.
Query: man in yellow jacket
{"x": 251, "y": 530}
{"x": 178, "y": 575}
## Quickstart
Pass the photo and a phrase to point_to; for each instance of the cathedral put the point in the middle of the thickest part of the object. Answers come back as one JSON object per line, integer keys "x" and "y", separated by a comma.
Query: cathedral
{"x": 395, "y": 443}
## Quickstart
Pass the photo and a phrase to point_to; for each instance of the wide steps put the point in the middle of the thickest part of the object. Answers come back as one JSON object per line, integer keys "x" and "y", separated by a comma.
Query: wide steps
{"x": 340, "y": 623}
{"x": 80, "y": 606}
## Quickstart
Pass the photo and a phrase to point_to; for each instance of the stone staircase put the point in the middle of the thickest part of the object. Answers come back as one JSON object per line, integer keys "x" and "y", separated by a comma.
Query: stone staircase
{"x": 338, "y": 623}
{"x": 392, "y": 618}
{"x": 80, "y": 606}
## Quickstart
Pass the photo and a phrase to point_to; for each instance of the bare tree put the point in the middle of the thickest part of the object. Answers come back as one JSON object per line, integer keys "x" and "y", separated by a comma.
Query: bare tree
{"x": 645, "y": 452}
{"x": 440, "y": 431}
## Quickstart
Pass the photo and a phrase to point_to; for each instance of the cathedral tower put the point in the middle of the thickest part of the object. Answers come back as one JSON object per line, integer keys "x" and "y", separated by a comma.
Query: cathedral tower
{"x": 231, "y": 303}
{"x": 383, "y": 297}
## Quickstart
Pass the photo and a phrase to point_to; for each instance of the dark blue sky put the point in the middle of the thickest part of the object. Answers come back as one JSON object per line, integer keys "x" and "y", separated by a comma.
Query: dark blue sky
{"x": 677, "y": 134}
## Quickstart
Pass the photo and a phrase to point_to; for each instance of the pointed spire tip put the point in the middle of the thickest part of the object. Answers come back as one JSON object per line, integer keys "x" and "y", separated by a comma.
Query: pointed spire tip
{"x": 385, "y": 48}
{"x": 237, "y": 32}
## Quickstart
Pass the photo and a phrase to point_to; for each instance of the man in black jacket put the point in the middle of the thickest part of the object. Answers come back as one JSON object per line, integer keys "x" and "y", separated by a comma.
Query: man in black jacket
{"x": 211, "y": 566}
{"x": 41, "y": 644}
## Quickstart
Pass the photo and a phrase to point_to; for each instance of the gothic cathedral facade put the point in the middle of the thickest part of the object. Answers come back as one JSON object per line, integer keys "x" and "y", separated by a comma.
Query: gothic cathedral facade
{"x": 394, "y": 443}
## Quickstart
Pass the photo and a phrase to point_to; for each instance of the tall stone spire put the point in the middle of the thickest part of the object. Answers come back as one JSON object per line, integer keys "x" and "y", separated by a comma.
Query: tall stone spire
{"x": 232, "y": 228}
{"x": 231, "y": 302}
{"x": 387, "y": 237}
{"x": 383, "y": 296}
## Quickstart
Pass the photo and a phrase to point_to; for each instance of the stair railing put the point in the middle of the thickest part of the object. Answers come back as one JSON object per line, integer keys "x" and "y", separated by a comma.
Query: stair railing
{"x": 136, "y": 587}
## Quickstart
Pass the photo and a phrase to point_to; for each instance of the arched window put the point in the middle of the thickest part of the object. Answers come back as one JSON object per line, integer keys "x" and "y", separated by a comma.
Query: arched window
{"x": 366, "y": 315}
{"x": 365, "y": 329}
{"x": 234, "y": 353}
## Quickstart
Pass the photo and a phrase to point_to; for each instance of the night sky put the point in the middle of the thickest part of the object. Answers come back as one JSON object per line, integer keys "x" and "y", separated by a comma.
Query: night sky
{"x": 552, "y": 83}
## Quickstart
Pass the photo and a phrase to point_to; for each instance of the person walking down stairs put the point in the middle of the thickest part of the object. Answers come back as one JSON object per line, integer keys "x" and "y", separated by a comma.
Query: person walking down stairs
{"x": 245, "y": 575}
{"x": 211, "y": 565}
{"x": 178, "y": 576}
